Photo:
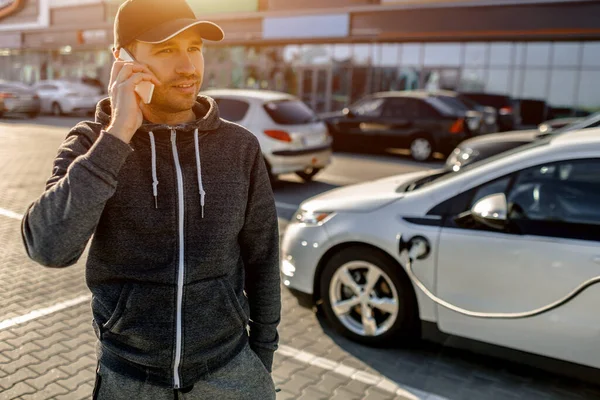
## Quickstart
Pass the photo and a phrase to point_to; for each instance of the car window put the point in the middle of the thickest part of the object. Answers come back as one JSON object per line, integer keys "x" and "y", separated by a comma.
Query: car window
{"x": 426, "y": 111}
{"x": 404, "y": 108}
{"x": 368, "y": 107}
{"x": 46, "y": 87}
{"x": 232, "y": 110}
{"x": 566, "y": 192}
{"x": 453, "y": 102}
{"x": 289, "y": 112}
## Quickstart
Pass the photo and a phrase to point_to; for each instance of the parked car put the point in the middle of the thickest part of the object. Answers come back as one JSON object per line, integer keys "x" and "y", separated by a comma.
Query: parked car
{"x": 64, "y": 97}
{"x": 342, "y": 250}
{"x": 558, "y": 123}
{"x": 414, "y": 120}
{"x": 18, "y": 98}
{"x": 292, "y": 138}
{"x": 508, "y": 109}
{"x": 477, "y": 149}
{"x": 488, "y": 123}
{"x": 534, "y": 112}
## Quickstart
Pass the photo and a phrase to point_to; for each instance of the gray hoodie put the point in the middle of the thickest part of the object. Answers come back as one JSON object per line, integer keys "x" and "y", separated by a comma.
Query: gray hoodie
{"x": 184, "y": 256}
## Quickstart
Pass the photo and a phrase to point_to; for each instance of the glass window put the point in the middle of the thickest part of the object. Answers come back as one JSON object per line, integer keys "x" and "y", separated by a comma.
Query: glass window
{"x": 442, "y": 54}
{"x": 316, "y": 54}
{"x": 289, "y": 112}
{"x": 591, "y": 54}
{"x": 498, "y": 81}
{"x": 362, "y": 54}
{"x": 565, "y": 192}
{"x": 538, "y": 54}
{"x": 589, "y": 90}
{"x": 501, "y": 54}
{"x": 520, "y": 50}
{"x": 411, "y": 54}
{"x": 472, "y": 80}
{"x": 340, "y": 91}
{"x": 562, "y": 88}
{"x": 517, "y": 83}
{"x": 387, "y": 54}
{"x": 368, "y": 107}
{"x": 231, "y": 109}
{"x": 292, "y": 54}
{"x": 536, "y": 81}
{"x": 407, "y": 108}
{"x": 566, "y": 54}
{"x": 342, "y": 52}
{"x": 475, "y": 54}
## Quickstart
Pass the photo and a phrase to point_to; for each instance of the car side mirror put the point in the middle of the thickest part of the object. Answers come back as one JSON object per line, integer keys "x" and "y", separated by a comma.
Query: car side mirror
{"x": 491, "y": 211}
{"x": 348, "y": 113}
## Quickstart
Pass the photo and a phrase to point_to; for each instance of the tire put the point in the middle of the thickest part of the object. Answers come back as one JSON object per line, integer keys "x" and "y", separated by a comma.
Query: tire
{"x": 400, "y": 321}
{"x": 308, "y": 174}
{"x": 56, "y": 109}
{"x": 421, "y": 148}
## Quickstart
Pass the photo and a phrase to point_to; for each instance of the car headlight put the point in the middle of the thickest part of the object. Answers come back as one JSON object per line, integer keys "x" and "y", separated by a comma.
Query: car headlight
{"x": 312, "y": 217}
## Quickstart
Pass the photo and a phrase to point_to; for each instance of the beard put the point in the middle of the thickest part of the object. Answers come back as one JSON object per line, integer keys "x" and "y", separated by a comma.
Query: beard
{"x": 167, "y": 99}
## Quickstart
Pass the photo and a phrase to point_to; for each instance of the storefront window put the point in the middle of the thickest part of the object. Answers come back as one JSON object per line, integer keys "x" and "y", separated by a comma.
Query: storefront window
{"x": 342, "y": 53}
{"x": 535, "y": 83}
{"x": 498, "y": 81}
{"x": 387, "y": 55}
{"x": 501, "y": 54}
{"x": 411, "y": 54}
{"x": 520, "y": 53}
{"x": 476, "y": 54}
{"x": 473, "y": 80}
{"x": 340, "y": 87}
{"x": 362, "y": 54}
{"x": 442, "y": 54}
{"x": 562, "y": 88}
{"x": 589, "y": 90}
{"x": 538, "y": 55}
{"x": 591, "y": 54}
{"x": 566, "y": 54}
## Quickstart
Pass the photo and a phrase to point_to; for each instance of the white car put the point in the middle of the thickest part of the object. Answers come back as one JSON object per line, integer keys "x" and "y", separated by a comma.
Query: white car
{"x": 291, "y": 137}
{"x": 509, "y": 234}
{"x": 60, "y": 97}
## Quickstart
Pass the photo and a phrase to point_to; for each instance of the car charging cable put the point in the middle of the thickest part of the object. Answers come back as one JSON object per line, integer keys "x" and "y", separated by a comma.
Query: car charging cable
{"x": 418, "y": 248}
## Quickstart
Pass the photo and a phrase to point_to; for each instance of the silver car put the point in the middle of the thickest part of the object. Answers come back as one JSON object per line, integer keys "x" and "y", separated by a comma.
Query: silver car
{"x": 18, "y": 98}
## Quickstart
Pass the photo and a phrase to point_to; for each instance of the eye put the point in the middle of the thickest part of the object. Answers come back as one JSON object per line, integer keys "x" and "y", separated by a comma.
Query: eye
{"x": 166, "y": 51}
{"x": 196, "y": 48}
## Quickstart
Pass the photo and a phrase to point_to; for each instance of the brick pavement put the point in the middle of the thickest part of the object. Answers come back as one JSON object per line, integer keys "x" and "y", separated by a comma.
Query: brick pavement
{"x": 52, "y": 357}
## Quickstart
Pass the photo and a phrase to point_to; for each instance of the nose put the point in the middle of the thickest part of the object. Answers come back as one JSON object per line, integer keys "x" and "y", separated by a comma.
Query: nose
{"x": 185, "y": 65}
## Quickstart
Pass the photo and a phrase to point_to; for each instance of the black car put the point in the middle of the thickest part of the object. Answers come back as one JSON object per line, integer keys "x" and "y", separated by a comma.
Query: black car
{"x": 507, "y": 108}
{"x": 479, "y": 148}
{"x": 412, "y": 120}
{"x": 488, "y": 123}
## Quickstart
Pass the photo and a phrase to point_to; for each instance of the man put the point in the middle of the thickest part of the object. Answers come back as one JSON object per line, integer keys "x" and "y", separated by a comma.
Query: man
{"x": 183, "y": 264}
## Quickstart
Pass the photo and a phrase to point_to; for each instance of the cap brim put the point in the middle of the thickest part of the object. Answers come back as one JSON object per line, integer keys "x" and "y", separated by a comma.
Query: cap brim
{"x": 206, "y": 30}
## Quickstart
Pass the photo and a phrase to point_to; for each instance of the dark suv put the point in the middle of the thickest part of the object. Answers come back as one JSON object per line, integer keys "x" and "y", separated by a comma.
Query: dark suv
{"x": 509, "y": 114}
{"x": 412, "y": 120}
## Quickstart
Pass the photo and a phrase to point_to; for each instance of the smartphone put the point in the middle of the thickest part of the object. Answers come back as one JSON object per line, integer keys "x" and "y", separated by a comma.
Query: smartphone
{"x": 144, "y": 89}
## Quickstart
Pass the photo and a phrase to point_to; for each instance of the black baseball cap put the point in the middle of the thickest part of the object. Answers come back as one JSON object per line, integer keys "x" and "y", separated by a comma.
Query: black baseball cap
{"x": 156, "y": 21}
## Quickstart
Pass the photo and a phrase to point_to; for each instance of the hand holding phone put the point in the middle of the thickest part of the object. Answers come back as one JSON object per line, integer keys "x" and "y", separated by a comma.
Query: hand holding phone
{"x": 126, "y": 90}
{"x": 144, "y": 89}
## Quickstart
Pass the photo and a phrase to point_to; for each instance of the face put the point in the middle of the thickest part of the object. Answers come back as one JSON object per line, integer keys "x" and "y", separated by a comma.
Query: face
{"x": 179, "y": 65}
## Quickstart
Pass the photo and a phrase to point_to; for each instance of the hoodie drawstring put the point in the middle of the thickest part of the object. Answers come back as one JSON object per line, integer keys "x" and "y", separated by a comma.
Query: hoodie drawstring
{"x": 199, "y": 171}
{"x": 154, "y": 179}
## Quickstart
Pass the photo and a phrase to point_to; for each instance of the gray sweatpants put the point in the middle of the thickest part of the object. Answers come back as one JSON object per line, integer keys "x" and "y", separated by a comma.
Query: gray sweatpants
{"x": 244, "y": 378}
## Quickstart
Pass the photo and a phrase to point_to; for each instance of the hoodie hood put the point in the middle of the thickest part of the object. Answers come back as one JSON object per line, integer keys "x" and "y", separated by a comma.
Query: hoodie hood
{"x": 207, "y": 120}
{"x": 206, "y": 110}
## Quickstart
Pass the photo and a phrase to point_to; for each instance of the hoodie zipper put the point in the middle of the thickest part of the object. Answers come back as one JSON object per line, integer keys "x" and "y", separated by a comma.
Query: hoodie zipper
{"x": 178, "y": 345}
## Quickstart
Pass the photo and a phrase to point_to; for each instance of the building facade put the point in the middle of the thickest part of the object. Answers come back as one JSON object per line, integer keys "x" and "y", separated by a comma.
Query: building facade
{"x": 332, "y": 52}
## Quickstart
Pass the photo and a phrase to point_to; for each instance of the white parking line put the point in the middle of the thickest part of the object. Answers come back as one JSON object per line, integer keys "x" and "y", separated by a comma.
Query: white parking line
{"x": 302, "y": 356}
{"x": 10, "y": 214}
{"x": 8, "y": 323}
{"x": 286, "y": 205}
{"x": 352, "y": 373}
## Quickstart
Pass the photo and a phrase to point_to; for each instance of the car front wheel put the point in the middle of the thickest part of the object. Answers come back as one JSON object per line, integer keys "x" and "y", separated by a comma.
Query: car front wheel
{"x": 367, "y": 298}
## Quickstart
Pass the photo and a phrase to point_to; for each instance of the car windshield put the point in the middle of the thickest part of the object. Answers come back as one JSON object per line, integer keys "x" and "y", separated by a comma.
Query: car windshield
{"x": 290, "y": 112}
{"x": 592, "y": 121}
{"x": 440, "y": 175}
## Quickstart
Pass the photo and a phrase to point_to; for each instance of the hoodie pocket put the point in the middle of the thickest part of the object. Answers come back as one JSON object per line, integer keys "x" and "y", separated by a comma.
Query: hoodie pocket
{"x": 119, "y": 308}
{"x": 213, "y": 317}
